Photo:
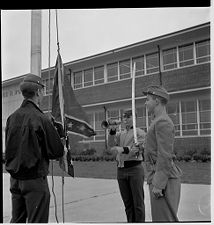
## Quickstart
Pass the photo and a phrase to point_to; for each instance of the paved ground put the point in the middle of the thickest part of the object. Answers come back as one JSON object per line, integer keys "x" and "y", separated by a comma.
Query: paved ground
{"x": 98, "y": 200}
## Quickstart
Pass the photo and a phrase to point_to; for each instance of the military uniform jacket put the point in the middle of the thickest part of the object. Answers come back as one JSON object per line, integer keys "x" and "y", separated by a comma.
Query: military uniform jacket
{"x": 125, "y": 138}
{"x": 30, "y": 141}
{"x": 159, "y": 154}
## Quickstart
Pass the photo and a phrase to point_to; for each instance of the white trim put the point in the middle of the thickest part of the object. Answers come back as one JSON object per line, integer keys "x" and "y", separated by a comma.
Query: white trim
{"x": 195, "y": 136}
{"x": 180, "y": 118}
{"x": 198, "y": 116}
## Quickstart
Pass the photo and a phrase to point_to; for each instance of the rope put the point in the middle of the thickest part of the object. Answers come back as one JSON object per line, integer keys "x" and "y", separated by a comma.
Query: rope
{"x": 49, "y": 77}
{"x": 63, "y": 211}
{"x": 57, "y": 33}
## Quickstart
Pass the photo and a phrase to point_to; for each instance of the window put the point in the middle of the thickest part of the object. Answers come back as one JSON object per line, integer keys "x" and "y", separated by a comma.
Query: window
{"x": 139, "y": 66}
{"x": 99, "y": 75}
{"x": 112, "y": 72}
{"x": 152, "y": 64}
{"x": 173, "y": 112}
{"x": 189, "y": 117}
{"x": 141, "y": 118}
{"x": 205, "y": 116}
{"x": 77, "y": 79}
{"x": 124, "y": 68}
{"x": 114, "y": 114}
{"x": 169, "y": 59}
{"x": 186, "y": 55}
{"x": 5, "y": 94}
{"x": 48, "y": 85}
{"x": 17, "y": 92}
{"x": 88, "y": 77}
{"x": 99, "y": 117}
{"x": 202, "y": 51}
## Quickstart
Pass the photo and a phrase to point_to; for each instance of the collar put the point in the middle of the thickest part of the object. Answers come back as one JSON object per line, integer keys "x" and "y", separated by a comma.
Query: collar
{"x": 27, "y": 101}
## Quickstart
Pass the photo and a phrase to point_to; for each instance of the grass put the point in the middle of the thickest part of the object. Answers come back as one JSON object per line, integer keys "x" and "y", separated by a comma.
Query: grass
{"x": 193, "y": 172}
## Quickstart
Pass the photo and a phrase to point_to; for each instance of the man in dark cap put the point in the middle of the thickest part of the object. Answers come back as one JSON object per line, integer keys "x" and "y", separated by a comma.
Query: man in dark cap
{"x": 130, "y": 172}
{"x": 163, "y": 175}
{"x": 31, "y": 141}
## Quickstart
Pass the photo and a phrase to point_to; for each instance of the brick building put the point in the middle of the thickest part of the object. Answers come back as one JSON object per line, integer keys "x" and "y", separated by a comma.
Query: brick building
{"x": 102, "y": 85}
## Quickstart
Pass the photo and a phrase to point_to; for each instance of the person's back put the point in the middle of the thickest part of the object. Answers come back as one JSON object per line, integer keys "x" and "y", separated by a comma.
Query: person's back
{"x": 27, "y": 152}
{"x": 30, "y": 141}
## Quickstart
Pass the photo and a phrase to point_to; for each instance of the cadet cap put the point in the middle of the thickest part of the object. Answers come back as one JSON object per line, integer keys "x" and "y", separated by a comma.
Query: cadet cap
{"x": 158, "y": 91}
{"x": 31, "y": 82}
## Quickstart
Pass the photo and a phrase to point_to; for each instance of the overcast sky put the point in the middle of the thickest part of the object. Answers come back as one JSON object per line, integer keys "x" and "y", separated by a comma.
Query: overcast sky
{"x": 85, "y": 32}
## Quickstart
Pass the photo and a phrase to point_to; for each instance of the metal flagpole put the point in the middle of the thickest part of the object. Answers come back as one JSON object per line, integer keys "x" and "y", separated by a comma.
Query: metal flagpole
{"x": 133, "y": 104}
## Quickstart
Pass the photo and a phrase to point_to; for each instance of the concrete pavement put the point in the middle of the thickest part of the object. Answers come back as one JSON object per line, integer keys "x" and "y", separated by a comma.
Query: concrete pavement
{"x": 98, "y": 200}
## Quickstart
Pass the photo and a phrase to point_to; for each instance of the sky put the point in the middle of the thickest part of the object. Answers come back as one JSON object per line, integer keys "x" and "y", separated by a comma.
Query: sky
{"x": 85, "y": 32}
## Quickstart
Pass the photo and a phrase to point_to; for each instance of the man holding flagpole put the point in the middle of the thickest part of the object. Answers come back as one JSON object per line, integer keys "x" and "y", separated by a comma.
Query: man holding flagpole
{"x": 31, "y": 141}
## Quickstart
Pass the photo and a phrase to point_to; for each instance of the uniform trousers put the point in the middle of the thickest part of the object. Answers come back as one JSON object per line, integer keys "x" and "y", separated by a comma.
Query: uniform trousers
{"x": 131, "y": 181}
{"x": 30, "y": 200}
{"x": 165, "y": 209}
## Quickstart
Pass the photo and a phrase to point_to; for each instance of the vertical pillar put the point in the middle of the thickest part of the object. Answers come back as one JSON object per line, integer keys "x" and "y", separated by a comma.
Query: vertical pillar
{"x": 36, "y": 31}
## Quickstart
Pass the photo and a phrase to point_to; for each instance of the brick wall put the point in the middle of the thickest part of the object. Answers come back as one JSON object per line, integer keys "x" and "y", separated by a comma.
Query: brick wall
{"x": 175, "y": 80}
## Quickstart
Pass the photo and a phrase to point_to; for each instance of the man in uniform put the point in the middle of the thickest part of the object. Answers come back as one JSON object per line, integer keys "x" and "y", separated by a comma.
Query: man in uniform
{"x": 31, "y": 140}
{"x": 163, "y": 175}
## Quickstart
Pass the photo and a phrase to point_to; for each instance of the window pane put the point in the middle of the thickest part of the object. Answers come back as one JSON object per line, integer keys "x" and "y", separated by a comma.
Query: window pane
{"x": 203, "y": 51}
{"x": 186, "y": 55}
{"x": 77, "y": 79}
{"x": 114, "y": 114}
{"x": 124, "y": 67}
{"x": 99, "y": 117}
{"x": 99, "y": 75}
{"x": 48, "y": 85}
{"x": 152, "y": 64}
{"x": 170, "y": 59}
{"x": 205, "y": 116}
{"x": 139, "y": 65}
{"x": 173, "y": 112}
{"x": 88, "y": 77}
{"x": 189, "y": 118}
{"x": 141, "y": 118}
{"x": 112, "y": 72}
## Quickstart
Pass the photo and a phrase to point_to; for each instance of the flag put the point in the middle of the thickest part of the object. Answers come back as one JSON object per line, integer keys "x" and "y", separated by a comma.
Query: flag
{"x": 68, "y": 115}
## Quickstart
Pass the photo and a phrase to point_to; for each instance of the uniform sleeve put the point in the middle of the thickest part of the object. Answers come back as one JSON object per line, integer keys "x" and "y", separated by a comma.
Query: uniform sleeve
{"x": 53, "y": 144}
{"x": 164, "y": 131}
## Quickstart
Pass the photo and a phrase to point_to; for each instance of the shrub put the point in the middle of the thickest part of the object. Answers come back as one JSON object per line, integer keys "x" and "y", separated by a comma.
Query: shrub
{"x": 205, "y": 152}
{"x": 187, "y": 158}
{"x": 191, "y": 152}
{"x": 179, "y": 158}
{"x": 197, "y": 156}
{"x": 205, "y": 158}
{"x": 90, "y": 151}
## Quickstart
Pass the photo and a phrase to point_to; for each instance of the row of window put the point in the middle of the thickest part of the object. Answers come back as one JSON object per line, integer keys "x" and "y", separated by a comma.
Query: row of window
{"x": 173, "y": 58}
{"x": 190, "y": 117}
{"x": 11, "y": 93}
